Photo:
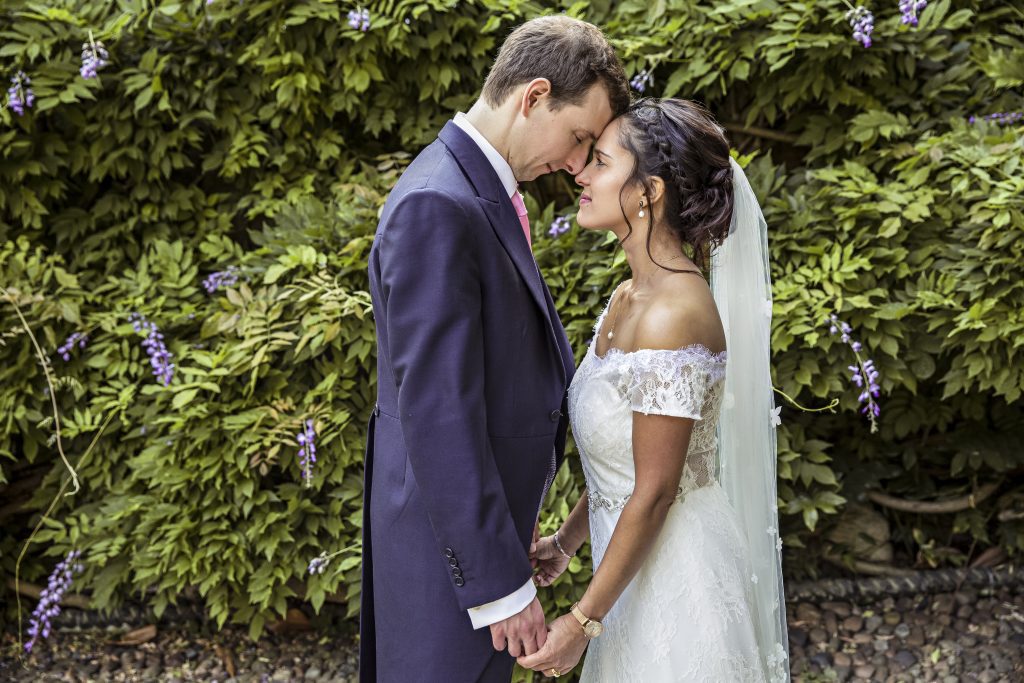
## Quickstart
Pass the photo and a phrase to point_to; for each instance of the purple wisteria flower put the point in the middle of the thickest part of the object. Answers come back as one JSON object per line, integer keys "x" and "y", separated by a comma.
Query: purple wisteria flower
{"x": 1002, "y": 118}
{"x": 49, "y": 599}
{"x": 319, "y": 563}
{"x": 862, "y": 21}
{"x": 910, "y": 10}
{"x": 559, "y": 226}
{"x": 307, "y": 454}
{"x": 78, "y": 338}
{"x": 359, "y": 19}
{"x": 222, "y": 278}
{"x": 641, "y": 81}
{"x": 94, "y": 57}
{"x": 159, "y": 357}
{"x": 20, "y": 96}
{"x": 863, "y": 373}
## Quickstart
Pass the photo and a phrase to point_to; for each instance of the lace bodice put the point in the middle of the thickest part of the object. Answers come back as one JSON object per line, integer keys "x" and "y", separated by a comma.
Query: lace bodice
{"x": 605, "y": 392}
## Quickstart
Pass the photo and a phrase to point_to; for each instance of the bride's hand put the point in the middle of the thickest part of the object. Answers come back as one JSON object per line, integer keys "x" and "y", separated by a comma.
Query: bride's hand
{"x": 561, "y": 651}
{"x": 549, "y": 561}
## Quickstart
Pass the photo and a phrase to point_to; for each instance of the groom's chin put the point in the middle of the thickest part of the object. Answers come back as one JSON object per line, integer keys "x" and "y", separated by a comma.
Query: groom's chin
{"x": 532, "y": 174}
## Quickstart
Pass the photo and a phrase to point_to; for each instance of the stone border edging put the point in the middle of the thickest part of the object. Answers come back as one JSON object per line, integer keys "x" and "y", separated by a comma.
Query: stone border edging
{"x": 929, "y": 581}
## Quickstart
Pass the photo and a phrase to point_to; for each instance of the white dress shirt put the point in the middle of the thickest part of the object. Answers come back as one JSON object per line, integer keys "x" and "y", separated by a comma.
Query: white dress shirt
{"x": 505, "y": 607}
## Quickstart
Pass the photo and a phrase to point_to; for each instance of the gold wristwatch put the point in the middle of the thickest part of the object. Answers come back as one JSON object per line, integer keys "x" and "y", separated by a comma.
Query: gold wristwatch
{"x": 591, "y": 628}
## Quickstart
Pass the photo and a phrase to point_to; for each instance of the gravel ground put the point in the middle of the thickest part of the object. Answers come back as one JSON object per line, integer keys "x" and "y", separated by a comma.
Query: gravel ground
{"x": 972, "y": 635}
{"x": 184, "y": 654}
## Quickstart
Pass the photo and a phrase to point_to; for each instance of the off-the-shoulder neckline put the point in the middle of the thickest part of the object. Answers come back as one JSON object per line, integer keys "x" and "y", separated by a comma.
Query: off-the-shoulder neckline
{"x": 719, "y": 357}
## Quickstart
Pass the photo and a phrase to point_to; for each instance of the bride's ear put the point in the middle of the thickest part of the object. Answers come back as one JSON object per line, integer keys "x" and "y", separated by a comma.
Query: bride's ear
{"x": 657, "y": 192}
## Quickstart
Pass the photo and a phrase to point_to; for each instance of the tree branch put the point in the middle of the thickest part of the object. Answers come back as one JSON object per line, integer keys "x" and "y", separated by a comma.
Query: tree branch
{"x": 967, "y": 502}
{"x": 765, "y": 133}
{"x": 869, "y": 568}
{"x": 33, "y": 591}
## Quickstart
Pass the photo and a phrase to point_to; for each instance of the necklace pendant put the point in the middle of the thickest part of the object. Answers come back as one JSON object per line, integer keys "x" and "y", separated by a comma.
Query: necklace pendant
{"x": 611, "y": 335}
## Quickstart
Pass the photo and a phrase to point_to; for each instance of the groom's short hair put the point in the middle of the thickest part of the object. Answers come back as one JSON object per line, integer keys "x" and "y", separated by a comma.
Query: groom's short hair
{"x": 572, "y": 54}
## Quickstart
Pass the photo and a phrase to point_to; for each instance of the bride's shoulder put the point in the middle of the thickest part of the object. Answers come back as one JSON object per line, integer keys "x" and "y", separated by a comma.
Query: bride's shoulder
{"x": 680, "y": 315}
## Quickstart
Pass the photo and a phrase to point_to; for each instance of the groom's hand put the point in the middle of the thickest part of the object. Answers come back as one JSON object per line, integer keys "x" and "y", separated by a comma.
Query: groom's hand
{"x": 525, "y": 632}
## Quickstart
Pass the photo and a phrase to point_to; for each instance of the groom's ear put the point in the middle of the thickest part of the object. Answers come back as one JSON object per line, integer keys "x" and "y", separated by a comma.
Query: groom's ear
{"x": 536, "y": 93}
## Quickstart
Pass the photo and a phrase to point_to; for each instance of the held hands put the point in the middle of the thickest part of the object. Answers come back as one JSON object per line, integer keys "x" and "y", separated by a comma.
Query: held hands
{"x": 525, "y": 632}
{"x": 563, "y": 649}
{"x": 548, "y": 560}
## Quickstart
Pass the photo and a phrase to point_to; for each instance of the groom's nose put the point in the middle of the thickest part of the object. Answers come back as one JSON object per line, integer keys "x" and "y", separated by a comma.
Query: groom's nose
{"x": 575, "y": 163}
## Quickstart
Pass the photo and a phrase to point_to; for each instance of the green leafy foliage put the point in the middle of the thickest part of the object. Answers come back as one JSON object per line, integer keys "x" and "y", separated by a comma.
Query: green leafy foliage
{"x": 267, "y": 135}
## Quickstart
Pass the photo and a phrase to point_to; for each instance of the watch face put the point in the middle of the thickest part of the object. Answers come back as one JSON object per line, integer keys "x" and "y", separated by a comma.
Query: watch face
{"x": 593, "y": 629}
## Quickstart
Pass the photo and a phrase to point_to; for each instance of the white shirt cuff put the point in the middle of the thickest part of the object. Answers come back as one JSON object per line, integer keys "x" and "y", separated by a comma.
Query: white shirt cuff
{"x": 503, "y": 608}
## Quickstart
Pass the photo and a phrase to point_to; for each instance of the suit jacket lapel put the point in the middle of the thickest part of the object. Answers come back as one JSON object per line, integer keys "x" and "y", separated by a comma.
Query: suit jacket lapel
{"x": 498, "y": 207}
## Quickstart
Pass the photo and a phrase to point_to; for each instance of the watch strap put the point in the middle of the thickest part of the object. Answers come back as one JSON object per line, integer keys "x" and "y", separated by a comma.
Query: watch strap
{"x": 580, "y": 616}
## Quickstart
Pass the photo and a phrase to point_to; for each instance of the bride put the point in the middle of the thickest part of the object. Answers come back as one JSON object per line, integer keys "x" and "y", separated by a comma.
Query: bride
{"x": 672, "y": 412}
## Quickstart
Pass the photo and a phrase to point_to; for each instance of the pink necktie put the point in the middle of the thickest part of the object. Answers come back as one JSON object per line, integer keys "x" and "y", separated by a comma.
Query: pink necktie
{"x": 517, "y": 201}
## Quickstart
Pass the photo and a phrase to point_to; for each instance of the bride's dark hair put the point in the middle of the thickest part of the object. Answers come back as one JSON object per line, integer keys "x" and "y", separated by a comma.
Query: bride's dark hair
{"x": 680, "y": 142}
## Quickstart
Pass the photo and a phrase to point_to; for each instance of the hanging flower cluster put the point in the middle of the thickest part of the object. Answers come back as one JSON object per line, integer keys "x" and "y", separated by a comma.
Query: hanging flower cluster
{"x": 559, "y": 226}
{"x": 49, "y": 599}
{"x": 1002, "y": 118}
{"x": 307, "y": 454}
{"x": 359, "y": 19}
{"x": 20, "y": 96}
{"x": 641, "y": 81}
{"x": 862, "y": 21}
{"x": 159, "y": 357}
{"x": 94, "y": 58}
{"x": 319, "y": 563}
{"x": 222, "y": 278}
{"x": 78, "y": 338}
{"x": 864, "y": 375}
{"x": 910, "y": 10}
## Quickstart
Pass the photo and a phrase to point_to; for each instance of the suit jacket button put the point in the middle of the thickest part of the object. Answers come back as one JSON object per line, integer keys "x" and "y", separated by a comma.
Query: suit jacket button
{"x": 457, "y": 571}
{"x": 453, "y": 562}
{"x": 555, "y": 415}
{"x": 448, "y": 552}
{"x": 459, "y": 581}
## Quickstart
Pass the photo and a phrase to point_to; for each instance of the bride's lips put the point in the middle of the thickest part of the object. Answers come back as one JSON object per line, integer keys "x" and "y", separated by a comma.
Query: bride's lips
{"x": 584, "y": 199}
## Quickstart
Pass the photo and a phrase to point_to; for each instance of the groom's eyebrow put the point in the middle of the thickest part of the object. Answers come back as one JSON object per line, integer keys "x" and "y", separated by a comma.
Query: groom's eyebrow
{"x": 587, "y": 134}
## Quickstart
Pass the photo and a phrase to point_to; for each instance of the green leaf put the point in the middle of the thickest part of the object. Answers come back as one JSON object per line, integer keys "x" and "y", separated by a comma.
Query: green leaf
{"x": 183, "y": 398}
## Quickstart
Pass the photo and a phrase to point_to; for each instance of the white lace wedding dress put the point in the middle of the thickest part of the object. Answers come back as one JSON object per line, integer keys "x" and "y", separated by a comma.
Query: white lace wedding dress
{"x": 686, "y": 616}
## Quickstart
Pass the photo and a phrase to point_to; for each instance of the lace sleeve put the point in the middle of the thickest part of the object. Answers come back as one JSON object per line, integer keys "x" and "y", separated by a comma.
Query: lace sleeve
{"x": 664, "y": 382}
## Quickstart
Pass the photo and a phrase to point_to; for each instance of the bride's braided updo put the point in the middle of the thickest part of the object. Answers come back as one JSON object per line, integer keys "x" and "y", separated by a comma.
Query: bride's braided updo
{"x": 679, "y": 142}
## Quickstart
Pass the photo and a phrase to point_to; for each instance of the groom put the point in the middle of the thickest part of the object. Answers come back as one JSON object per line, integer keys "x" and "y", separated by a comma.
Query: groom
{"x": 473, "y": 368}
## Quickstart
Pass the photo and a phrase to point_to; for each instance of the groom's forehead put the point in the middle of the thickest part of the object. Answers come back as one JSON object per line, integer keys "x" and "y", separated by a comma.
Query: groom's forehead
{"x": 590, "y": 122}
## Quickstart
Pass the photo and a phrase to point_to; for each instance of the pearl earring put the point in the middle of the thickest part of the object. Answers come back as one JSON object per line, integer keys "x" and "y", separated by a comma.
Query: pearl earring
{"x": 641, "y": 210}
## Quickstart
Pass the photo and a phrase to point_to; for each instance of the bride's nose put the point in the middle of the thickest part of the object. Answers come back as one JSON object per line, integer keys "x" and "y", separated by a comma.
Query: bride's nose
{"x": 581, "y": 178}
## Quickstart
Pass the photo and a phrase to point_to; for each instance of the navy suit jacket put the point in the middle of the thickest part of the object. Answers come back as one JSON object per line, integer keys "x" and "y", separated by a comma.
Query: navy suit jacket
{"x": 473, "y": 368}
